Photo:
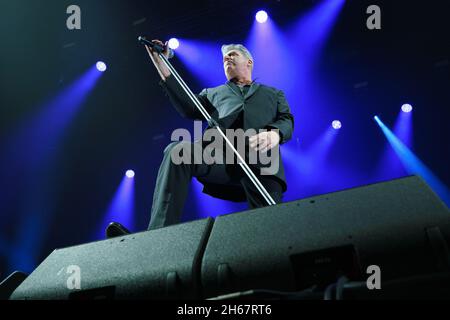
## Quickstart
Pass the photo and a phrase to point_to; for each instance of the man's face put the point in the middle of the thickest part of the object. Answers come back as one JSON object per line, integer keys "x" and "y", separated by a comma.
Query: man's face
{"x": 235, "y": 64}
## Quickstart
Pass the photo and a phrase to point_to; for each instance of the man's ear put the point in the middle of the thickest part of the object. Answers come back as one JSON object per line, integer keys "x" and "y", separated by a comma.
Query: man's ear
{"x": 250, "y": 62}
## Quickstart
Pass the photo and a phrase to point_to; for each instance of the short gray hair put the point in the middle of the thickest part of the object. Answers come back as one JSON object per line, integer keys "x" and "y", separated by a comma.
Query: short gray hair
{"x": 228, "y": 47}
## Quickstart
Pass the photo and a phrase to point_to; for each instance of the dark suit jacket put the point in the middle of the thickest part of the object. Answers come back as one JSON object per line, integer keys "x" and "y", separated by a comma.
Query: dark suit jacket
{"x": 263, "y": 107}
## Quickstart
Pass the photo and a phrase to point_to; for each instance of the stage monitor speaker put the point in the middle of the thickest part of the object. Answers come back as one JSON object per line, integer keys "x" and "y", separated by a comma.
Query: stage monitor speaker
{"x": 401, "y": 226}
{"x": 8, "y": 285}
{"x": 157, "y": 264}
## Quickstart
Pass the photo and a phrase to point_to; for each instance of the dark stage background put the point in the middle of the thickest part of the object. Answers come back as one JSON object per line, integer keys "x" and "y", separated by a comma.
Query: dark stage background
{"x": 56, "y": 185}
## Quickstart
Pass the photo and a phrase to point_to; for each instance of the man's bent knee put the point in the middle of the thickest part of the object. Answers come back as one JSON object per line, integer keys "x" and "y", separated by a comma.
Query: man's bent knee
{"x": 182, "y": 152}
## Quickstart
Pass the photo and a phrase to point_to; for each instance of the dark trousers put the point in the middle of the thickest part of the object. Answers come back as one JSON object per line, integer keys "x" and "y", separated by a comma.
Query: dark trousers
{"x": 172, "y": 186}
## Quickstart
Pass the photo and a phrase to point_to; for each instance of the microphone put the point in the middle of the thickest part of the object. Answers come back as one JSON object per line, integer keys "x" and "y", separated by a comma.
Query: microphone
{"x": 156, "y": 47}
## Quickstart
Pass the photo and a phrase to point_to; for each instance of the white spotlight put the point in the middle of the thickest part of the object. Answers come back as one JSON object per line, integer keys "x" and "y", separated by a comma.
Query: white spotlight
{"x": 174, "y": 43}
{"x": 261, "y": 16}
{"x": 407, "y": 108}
{"x": 336, "y": 124}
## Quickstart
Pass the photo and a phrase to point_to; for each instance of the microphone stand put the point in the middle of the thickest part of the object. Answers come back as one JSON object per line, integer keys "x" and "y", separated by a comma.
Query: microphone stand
{"x": 251, "y": 175}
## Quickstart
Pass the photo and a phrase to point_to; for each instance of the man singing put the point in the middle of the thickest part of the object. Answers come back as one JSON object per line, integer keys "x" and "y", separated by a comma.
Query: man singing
{"x": 240, "y": 103}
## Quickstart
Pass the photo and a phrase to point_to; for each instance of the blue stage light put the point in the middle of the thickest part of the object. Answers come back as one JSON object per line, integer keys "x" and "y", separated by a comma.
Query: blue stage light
{"x": 174, "y": 43}
{"x": 336, "y": 124}
{"x": 101, "y": 66}
{"x": 407, "y": 108}
{"x": 261, "y": 16}
{"x": 130, "y": 173}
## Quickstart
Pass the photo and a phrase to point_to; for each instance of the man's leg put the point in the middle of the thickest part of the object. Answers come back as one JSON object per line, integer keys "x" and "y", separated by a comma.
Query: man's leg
{"x": 172, "y": 187}
{"x": 254, "y": 197}
{"x": 172, "y": 183}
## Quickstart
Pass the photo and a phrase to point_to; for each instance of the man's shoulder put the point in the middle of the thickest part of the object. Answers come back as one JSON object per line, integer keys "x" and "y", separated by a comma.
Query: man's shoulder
{"x": 219, "y": 87}
{"x": 215, "y": 89}
{"x": 268, "y": 88}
